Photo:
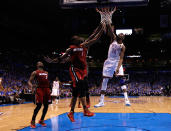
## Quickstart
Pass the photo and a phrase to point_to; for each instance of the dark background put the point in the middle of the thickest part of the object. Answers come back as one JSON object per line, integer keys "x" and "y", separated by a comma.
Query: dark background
{"x": 42, "y": 27}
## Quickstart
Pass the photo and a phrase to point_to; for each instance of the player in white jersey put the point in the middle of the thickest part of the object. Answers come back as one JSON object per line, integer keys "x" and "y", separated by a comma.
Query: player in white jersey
{"x": 55, "y": 90}
{"x": 113, "y": 64}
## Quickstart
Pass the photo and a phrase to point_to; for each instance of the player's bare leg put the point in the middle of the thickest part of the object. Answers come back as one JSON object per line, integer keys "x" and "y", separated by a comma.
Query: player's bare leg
{"x": 45, "y": 109}
{"x": 88, "y": 100}
{"x": 79, "y": 103}
{"x": 36, "y": 110}
{"x": 57, "y": 100}
{"x": 103, "y": 91}
{"x": 86, "y": 110}
{"x": 53, "y": 99}
{"x": 124, "y": 89}
{"x": 122, "y": 81}
{"x": 71, "y": 113}
{"x": 87, "y": 92}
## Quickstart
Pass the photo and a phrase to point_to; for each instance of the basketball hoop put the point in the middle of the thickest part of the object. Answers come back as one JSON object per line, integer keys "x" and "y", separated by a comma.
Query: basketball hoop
{"x": 106, "y": 14}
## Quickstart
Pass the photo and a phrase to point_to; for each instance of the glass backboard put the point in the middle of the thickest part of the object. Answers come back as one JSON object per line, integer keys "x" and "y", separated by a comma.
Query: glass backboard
{"x": 102, "y": 3}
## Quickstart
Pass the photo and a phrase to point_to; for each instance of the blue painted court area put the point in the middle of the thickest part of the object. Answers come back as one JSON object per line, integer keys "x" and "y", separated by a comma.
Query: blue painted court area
{"x": 108, "y": 122}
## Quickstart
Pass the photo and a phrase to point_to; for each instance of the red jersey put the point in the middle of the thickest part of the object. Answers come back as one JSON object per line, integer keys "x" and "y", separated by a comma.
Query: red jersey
{"x": 42, "y": 79}
{"x": 78, "y": 56}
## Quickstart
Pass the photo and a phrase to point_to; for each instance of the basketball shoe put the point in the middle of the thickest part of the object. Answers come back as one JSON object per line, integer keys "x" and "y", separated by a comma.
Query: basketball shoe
{"x": 41, "y": 122}
{"x": 88, "y": 113}
{"x": 71, "y": 116}
{"x": 100, "y": 104}
{"x": 33, "y": 125}
{"x": 127, "y": 103}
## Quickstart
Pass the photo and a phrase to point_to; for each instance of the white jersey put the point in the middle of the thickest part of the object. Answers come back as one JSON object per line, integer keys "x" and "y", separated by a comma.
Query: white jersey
{"x": 114, "y": 51}
{"x": 111, "y": 63}
{"x": 55, "y": 89}
{"x": 55, "y": 84}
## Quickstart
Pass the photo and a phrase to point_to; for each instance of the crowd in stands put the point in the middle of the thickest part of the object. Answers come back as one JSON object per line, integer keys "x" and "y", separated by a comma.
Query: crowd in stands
{"x": 134, "y": 89}
{"x": 135, "y": 62}
{"x": 141, "y": 83}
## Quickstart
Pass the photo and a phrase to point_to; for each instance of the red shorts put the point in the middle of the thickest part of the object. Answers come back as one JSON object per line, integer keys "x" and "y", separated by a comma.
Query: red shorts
{"x": 43, "y": 95}
{"x": 77, "y": 74}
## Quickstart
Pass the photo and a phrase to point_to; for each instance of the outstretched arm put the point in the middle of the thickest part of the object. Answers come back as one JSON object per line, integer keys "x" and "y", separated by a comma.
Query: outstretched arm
{"x": 96, "y": 31}
{"x": 65, "y": 55}
{"x": 91, "y": 41}
{"x": 110, "y": 32}
{"x": 106, "y": 17}
{"x": 105, "y": 13}
{"x": 59, "y": 59}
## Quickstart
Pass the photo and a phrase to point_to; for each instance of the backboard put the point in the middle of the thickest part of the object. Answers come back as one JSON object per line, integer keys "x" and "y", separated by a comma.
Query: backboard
{"x": 101, "y": 3}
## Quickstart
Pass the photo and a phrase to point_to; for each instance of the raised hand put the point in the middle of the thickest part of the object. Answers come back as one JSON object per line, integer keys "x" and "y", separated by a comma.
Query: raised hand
{"x": 48, "y": 59}
{"x": 106, "y": 14}
{"x": 112, "y": 10}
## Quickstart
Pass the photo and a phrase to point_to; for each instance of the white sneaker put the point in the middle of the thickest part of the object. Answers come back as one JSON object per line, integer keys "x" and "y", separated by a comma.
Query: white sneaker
{"x": 100, "y": 104}
{"x": 127, "y": 103}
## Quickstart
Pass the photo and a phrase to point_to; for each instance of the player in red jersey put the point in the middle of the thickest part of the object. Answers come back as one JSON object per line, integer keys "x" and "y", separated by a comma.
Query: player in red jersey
{"x": 42, "y": 92}
{"x": 78, "y": 69}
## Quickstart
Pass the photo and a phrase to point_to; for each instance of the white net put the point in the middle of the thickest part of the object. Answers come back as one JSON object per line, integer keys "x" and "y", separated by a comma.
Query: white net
{"x": 106, "y": 17}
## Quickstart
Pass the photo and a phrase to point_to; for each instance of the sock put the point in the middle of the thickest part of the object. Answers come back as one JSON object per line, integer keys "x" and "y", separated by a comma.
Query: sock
{"x": 104, "y": 87}
{"x": 102, "y": 97}
{"x": 104, "y": 83}
{"x": 126, "y": 96}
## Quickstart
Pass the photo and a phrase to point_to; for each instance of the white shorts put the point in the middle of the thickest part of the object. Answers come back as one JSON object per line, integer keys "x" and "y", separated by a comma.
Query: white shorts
{"x": 110, "y": 67}
{"x": 55, "y": 92}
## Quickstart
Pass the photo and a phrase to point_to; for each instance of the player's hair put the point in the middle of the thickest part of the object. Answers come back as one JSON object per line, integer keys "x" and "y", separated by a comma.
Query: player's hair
{"x": 120, "y": 36}
{"x": 40, "y": 66}
{"x": 76, "y": 40}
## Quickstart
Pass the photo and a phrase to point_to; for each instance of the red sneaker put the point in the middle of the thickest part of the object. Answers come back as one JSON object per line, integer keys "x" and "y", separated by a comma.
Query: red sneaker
{"x": 41, "y": 122}
{"x": 79, "y": 106}
{"x": 71, "y": 116}
{"x": 88, "y": 113}
{"x": 88, "y": 104}
{"x": 33, "y": 125}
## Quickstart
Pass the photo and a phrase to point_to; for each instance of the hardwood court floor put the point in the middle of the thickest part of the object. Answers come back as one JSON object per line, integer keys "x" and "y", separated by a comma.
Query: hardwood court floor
{"x": 18, "y": 116}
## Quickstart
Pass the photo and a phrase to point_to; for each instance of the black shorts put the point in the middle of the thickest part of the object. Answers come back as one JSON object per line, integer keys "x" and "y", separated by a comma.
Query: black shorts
{"x": 80, "y": 89}
{"x": 86, "y": 84}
